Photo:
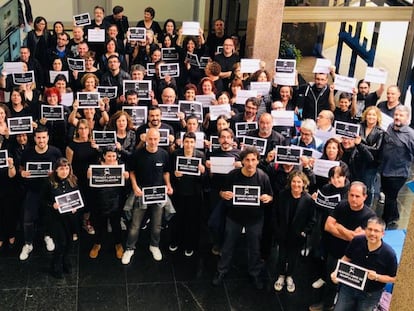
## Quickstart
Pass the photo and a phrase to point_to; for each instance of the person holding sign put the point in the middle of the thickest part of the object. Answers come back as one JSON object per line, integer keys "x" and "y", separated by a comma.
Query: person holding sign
{"x": 41, "y": 155}
{"x": 187, "y": 180}
{"x": 357, "y": 156}
{"x": 4, "y": 130}
{"x": 372, "y": 137}
{"x": 294, "y": 222}
{"x": 365, "y": 98}
{"x": 346, "y": 109}
{"x": 347, "y": 221}
{"x": 245, "y": 209}
{"x": 370, "y": 252}
{"x": 8, "y": 210}
{"x": 148, "y": 167}
{"x": 107, "y": 207}
{"x": 61, "y": 181}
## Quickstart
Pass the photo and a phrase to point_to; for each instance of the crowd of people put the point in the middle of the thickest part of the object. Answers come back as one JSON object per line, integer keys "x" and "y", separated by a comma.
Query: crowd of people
{"x": 232, "y": 179}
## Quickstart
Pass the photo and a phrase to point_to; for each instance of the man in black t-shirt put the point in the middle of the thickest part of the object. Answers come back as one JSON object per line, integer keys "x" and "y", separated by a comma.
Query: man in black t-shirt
{"x": 348, "y": 220}
{"x": 42, "y": 157}
{"x": 245, "y": 193}
{"x": 148, "y": 167}
{"x": 365, "y": 98}
{"x": 368, "y": 251}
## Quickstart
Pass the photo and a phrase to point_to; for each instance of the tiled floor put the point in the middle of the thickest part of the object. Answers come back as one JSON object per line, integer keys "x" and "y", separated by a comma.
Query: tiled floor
{"x": 175, "y": 283}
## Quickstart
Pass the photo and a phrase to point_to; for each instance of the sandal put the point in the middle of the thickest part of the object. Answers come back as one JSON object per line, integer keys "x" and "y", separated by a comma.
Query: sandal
{"x": 279, "y": 283}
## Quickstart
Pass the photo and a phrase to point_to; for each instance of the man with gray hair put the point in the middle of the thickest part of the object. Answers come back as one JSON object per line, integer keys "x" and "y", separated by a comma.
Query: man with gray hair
{"x": 397, "y": 156}
{"x": 307, "y": 137}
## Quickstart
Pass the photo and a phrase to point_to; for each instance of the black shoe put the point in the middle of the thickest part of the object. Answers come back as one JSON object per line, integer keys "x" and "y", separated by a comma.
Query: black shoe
{"x": 218, "y": 279}
{"x": 392, "y": 225}
{"x": 257, "y": 283}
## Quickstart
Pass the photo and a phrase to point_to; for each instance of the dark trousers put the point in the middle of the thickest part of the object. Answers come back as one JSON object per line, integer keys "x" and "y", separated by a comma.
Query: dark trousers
{"x": 185, "y": 225}
{"x": 288, "y": 258}
{"x": 101, "y": 222}
{"x": 31, "y": 206}
{"x": 232, "y": 234}
{"x": 9, "y": 215}
{"x": 391, "y": 186}
{"x": 62, "y": 236}
{"x": 330, "y": 288}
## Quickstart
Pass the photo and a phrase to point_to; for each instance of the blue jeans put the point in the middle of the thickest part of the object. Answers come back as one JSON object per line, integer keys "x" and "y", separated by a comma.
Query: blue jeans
{"x": 138, "y": 214}
{"x": 352, "y": 299}
{"x": 232, "y": 234}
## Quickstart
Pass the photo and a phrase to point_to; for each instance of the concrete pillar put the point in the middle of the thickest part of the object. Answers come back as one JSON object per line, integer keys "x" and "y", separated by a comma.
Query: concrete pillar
{"x": 403, "y": 293}
{"x": 264, "y": 28}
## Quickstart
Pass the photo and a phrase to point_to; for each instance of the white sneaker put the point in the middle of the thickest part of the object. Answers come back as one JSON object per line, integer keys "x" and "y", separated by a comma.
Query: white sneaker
{"x": 126, "y": 257}
{"x": 156, "y": 253}
{"x": 318, "y": 283}
{"x": 290, "y": 285}
{"x": 278, "y": 286}
{"x": 188, "y": 253}
{"x": 50, "y": 245}
{"x": 26, "y": 250}
{"x": 381, "y": 198}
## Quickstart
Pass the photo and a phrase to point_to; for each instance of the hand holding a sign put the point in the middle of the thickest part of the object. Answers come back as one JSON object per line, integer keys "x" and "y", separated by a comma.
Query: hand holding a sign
{"x": 226, "y": 195}
{"x": 333, "y": 277}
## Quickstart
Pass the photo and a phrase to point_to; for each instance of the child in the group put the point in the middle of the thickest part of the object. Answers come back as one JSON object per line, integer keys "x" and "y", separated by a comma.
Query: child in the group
{"x": 346, "y": 110}
{"x": 108, "y": 207}
{"x": 61, "y": 181}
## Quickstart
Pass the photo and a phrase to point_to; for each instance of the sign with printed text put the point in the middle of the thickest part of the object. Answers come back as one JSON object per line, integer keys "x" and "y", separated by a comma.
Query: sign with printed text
{"x": 191, "y": 28}
{"x": 243, "y": 128}
{"x": 23, "y": 77}
{"x": 53, "y": 74}
{"x": 20, "y": 125}
{"x": 52, "y": 113}
{"x": 345, "y": 129}
{"x": 243, "y": 95}
{"x": 285, "y": 72}
{"x": 351, "y": 274}
{"x": 188, "y": 166}
{"x": 96, "y": 35}
{"x": 192, "y": 59}
{"x": 172, "y": 70}
{"x": 322, "y": 167}
{"x": 169, "y": 112}
{"x": 246, "y": 195}
{"x": 259, "y": 143}
{"x": 88, "y": 99}
{"x": 82, "y": 19}
{"x": 153, "y": 195}
{"x": 249, "y": 65}
{"x": 107, "y": 176}
{"x": 107, "y": 91}
{"x": 143, "y": 88}
{"x": 137, "y": 34}
{"x": 190, "y": 108}
{"x": 283, "y": 117}
{"x": 3, "y": 158}
{"x": 69, "y": 201}
{"x": 76, "y": 64}
{"x": 150, "y": 69}
{"x": 217, "y": 110}
{"x": 38, "y": 169}
{"x": 288, "y": 155}
{"x": 169, "y": 54}
{"x": 328, "y": 201}
{"x": 138, "y": 114}
{"x": 104, "y": 138}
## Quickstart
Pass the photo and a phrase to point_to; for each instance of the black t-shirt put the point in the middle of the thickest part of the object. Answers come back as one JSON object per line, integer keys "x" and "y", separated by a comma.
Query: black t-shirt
{"x": 382, "y": 260}
{"x": 351, "y": 220}
{"x": 30, "y": 155}
{"x": 149, "y": 168}
{"x": 363, "y": 102}
{"x": 243, "y": 214}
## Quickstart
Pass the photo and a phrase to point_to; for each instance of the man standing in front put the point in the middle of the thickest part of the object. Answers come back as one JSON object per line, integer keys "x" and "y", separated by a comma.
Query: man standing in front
{"x": 347, "y": 221}
{"x": 370, "y": 252}
{"x": 244, "y": 214}
{"x": 148, "y": 167}
{"x": 43, "y": 153}
{"x": 397, "y": 156}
